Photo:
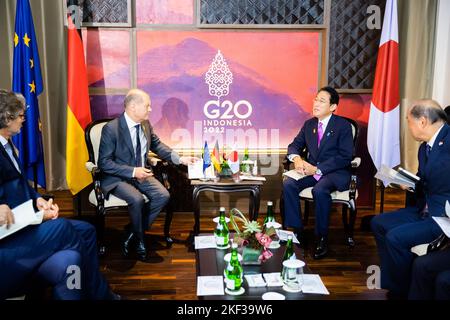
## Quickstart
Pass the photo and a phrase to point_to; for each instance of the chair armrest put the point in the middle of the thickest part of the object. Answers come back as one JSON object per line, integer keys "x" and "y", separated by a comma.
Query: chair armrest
{"x": 356, "y": 162}
{"x": 153, "y": 161}
{"x": 437, "y": 243}
{"x": 420, "y": 249}
{"x": 91, "y": 167}
{"x": 160, "y": 168}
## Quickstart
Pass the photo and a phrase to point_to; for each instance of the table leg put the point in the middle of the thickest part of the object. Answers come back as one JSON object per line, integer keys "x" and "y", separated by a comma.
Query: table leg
{"x": 196, "y": 205}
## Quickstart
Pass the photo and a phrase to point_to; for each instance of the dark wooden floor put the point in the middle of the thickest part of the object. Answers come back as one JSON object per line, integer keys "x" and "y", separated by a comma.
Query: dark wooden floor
{"x": 343, "y": 271}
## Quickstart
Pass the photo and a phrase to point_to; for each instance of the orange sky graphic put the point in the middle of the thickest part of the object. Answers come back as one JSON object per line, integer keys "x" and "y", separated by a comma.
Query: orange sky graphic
{"x": 288, "y": 60}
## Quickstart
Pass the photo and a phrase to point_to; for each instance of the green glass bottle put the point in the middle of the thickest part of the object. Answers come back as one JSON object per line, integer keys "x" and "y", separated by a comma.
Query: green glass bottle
{"x": 245, "y": 167}
{"x": 270, "y": 217}
{"x": 289, "y": 253}
{"x": 221, "y": 233}
{"x": 234, "y": 272}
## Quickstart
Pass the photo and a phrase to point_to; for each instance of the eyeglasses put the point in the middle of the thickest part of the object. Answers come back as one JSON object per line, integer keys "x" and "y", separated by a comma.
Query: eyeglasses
{"x": 320, "y": 100}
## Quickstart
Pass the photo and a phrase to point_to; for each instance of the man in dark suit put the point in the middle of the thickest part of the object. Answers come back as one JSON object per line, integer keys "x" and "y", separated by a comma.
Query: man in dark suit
{"x": 38, "y": 254}
{"x": 124, "y": 145}
{"x": 44, "y": 250}
{"x": 397, "y": 232}
{"x": 430, "y": 276}
{"x": 329, "y": 142}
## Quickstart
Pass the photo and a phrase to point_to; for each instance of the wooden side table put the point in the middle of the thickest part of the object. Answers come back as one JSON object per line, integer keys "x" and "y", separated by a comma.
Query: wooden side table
{"x": 226, "y": 186}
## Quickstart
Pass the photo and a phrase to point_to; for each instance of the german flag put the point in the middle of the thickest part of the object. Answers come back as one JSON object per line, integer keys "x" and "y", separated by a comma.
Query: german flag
{"x": 215, "y": 157}
{"x": 78, "y": 112}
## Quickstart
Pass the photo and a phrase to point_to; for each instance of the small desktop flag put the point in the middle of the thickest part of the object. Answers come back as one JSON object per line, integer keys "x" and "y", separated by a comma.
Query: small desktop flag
{"x": 233, "y": 160}
{"x": 215, "y": 157}
{"x": 206, "y": 157}
{"x": 27, "y": 80}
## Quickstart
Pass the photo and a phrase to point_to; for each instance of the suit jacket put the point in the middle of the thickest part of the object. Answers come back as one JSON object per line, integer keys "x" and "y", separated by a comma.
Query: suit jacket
{"x": 11, "y": 181}
{"x": 116, "y": 154}
{"x": 335, "y": 153}
{"x": 434, "y": 186}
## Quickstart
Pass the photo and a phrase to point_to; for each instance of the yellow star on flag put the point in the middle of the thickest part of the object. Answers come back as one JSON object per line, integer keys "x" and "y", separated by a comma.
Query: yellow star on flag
{"x": 32, "y": 87}
{"x": 26, "y": 40}
{"x": 31, "y": 63}
{"x": 16, "y": 40}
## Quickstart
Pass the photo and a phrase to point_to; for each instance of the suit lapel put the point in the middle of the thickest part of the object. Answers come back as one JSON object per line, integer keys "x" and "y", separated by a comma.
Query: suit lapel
{"x": 6, "y": 156}
{"x": 313, "y": 132}
{"x": 326, "y": 134}
{"x": 124, "y": 134}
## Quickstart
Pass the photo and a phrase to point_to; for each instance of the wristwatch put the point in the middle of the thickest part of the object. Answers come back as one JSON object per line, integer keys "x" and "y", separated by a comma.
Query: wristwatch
{"x": 318, "y": 172}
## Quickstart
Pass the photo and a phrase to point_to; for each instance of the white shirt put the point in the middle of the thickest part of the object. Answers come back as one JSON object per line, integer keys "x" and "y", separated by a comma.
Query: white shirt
{"x": 433, "y": 138}
{"x": 132, "y": 128}
{"x": 4, "y": 143}
{"x": 324, "y": 123}
{"x": 324, "y": 127}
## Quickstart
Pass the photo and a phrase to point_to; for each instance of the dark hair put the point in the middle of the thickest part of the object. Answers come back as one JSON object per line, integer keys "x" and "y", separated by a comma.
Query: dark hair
{"x": 447, "y": 111}
{"x": 334, "y": 96}
{"x": 434, "y": 114}
{"x": 11, "y": 105}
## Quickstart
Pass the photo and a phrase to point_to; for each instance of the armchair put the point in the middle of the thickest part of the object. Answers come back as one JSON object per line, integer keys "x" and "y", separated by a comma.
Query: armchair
{"x": 97, "y": 198}
{"x": 347, "y": 198}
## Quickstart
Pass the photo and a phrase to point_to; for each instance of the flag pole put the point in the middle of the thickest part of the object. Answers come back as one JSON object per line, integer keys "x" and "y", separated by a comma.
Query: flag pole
{"x": 35, "y": 177}
{"x": 382, "y": 197}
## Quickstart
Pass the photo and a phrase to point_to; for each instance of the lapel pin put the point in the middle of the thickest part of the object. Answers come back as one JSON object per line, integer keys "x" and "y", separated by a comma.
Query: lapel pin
{"x": 441, "y": 143}
{"x": 314, "y": 130}
{"x": 328, "y": 134}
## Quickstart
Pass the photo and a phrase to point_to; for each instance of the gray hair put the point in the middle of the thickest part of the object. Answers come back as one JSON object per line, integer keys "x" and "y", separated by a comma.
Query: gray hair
{"x": 134, "y": 96}
{"x": 11, "y": 105}
{"x": 428, "y": 109}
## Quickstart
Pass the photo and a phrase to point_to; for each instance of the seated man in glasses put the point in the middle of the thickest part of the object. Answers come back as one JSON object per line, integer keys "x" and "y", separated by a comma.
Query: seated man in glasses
{"x": 40, "y": 252}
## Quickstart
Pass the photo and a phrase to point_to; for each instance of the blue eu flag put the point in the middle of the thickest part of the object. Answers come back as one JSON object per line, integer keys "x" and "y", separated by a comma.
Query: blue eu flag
{"x": 206, "y": 157}
{"x": 27, "y": 80}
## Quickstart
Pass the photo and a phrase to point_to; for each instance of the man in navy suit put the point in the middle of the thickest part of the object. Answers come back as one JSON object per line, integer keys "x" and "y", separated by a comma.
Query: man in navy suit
{"x": 329, "y": 142}
{"x": 39, "y": 256}
{"x": 42, "y": 251}
{"x": 397, "y": 232}
{"x": 124, "y": 145}
{"x": 430, "y": 276}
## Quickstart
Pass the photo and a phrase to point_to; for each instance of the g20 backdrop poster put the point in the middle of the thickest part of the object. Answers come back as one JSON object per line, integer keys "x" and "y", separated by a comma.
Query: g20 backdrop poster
{"x": 245, "y": 89}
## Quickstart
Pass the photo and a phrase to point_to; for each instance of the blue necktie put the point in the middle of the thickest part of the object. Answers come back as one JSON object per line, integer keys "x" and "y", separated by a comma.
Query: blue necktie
{"x": 138, "y": 147}
{"x": 9, "y": 149}
{"x": 427, "y": 150}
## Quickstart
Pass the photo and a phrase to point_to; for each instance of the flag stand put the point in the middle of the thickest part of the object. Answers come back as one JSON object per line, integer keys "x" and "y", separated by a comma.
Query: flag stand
{"x": 382, "y": 197}
{"x": 35, "y": 178}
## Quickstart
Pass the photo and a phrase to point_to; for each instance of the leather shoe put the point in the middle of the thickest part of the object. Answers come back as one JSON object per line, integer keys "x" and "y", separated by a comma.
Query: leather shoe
{"x": 141, "y": 250}
{"x": 299, "y": 234}
{"x": 321, "y": 248}
{"x": 153, "y": 257}
{"x": 115, "y": 296}
{"x": 127, "y": 244}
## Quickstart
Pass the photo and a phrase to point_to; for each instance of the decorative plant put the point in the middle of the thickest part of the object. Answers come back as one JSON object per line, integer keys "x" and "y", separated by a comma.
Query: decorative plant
{"x": 252, "y": 234}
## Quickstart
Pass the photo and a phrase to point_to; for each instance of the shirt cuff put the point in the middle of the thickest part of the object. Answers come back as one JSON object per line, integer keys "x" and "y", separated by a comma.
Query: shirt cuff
{"x": 134, "y": 171}
{"x": 39, "y": 217}
{"x": 292, "y": 156}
